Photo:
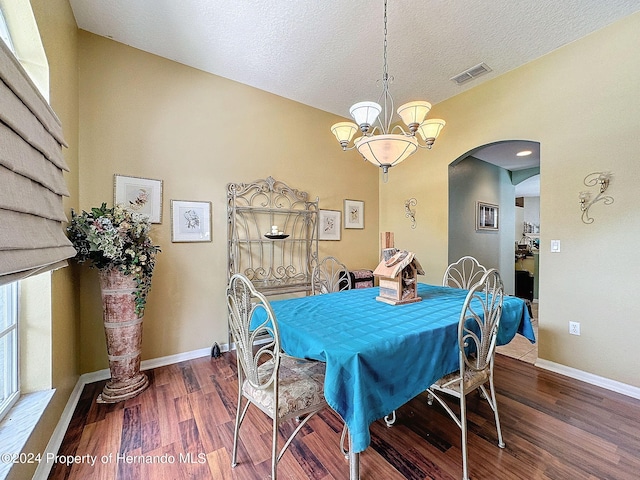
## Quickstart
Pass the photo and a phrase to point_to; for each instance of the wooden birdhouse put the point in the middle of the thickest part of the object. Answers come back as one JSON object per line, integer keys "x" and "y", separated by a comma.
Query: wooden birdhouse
{"x": 398, "y": 277}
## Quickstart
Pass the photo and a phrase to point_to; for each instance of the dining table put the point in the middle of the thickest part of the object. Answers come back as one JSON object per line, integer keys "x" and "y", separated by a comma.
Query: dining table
{"x": 379, "y": 356}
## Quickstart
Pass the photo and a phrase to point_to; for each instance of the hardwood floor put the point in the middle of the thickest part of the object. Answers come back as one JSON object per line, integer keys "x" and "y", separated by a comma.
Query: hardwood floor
{"x": 554, "y": 427}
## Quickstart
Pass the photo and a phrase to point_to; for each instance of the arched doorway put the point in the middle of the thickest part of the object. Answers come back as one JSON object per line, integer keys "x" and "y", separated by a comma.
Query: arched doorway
{"x": 495, "y": 174}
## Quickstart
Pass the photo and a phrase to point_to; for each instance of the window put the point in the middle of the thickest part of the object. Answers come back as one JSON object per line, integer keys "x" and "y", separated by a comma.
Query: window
{"x": 25, "y": 254}
{"x": 9, "y": 386}
{"x": 19, "y": 30}
{"x": 4, "y": 33}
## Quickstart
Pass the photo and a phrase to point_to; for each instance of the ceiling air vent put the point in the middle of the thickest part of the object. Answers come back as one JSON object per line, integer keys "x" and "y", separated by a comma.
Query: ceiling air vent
{"x": 471, "y": 73}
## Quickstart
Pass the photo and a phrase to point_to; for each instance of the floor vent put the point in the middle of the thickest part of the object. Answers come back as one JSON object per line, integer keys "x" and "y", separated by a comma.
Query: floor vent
{"x": 471, "y": 73}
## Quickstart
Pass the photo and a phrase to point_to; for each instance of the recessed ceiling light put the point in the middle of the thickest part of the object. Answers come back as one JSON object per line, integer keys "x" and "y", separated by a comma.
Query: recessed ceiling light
{"x": 524, "y": 153}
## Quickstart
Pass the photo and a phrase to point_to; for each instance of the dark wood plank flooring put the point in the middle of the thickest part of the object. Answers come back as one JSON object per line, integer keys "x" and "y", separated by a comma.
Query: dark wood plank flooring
{"x": 554, "y": 427}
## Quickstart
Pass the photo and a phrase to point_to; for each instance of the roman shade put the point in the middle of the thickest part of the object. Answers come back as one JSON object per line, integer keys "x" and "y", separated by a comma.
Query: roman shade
{"x": 32, "y": 236}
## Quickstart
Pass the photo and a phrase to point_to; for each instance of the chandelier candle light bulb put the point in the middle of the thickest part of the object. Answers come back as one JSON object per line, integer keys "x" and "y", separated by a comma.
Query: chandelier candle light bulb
{"x": 380, "y": 144}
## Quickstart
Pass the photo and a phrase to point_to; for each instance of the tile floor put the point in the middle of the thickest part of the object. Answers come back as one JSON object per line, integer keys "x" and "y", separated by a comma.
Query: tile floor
{"x": 520, "y": 347}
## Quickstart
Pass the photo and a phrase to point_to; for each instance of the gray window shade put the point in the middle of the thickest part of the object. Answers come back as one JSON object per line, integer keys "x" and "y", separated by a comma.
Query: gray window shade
{"x": 32, "y": 235}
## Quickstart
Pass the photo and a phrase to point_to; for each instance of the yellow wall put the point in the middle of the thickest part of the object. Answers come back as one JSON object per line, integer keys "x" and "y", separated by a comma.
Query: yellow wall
{"x": 145, "y": 116}
{"x": 59, "y": 37}
{"x": 581, "y": 103}
{"x": 133, "y": 113}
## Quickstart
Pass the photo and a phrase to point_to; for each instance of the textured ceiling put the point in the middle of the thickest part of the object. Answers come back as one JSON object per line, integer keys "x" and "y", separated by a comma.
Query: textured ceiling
{"x": 328, "y": 53}
{"x": 504, "y": 155}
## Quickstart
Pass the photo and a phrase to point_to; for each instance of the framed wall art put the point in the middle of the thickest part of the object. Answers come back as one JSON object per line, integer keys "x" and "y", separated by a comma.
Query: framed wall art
{"x": 353, "y": 214}
{"x": 328, "y": 225}
{"x": 487, "y": 216}
{"x": 190, "y": 221}
{"x": 142, "y": 195}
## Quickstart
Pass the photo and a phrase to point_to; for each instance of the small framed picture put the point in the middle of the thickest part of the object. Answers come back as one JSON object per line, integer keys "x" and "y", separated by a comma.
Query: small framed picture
{"x": 353, "y": 214}
{"x": 190, "y": 221}
{"x": 142, "y": 195}
{"x": 329, "y": 225}
{"x": 487, "y": 216}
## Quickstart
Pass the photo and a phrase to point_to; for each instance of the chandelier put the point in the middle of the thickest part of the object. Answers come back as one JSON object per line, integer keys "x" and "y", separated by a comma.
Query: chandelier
{"x": 382, "y": 145}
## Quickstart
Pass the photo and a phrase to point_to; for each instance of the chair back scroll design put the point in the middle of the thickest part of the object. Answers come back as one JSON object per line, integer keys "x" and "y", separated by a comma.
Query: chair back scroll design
{"x": 479, "y": 322}
{"x": 330, "y": 275}
{"x": 464, "y": 273}
{"x": 477, "y": 336}
{"x": 241, "y": 303}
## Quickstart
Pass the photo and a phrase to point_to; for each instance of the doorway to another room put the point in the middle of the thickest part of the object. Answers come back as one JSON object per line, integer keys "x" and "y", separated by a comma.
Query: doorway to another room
{"x": 507, "y": 178}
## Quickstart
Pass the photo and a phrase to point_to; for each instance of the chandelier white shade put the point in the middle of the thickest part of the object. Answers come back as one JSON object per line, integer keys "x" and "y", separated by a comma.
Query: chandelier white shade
{"x": 344, "y": 132}
{"x": 430, "y": 130}
{"x": 414, "y": 113}
{"x": 380, "y": 144}
{"x": 365, "y": 114}
{"x": 386, "y": 151}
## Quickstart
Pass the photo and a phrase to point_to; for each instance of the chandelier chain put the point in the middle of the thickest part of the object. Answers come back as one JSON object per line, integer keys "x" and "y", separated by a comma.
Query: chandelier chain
{"x": 385, "y": 97}
{"x": 380, "y": 144}
{"x": 385, "y": 74}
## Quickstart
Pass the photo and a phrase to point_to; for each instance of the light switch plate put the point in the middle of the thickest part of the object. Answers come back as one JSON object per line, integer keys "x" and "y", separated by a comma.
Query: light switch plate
{"x": 555, "y": 246}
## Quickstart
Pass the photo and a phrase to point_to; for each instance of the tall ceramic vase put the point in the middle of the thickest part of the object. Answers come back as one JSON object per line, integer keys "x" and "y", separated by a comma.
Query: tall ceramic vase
{"x": 123, "y": 329}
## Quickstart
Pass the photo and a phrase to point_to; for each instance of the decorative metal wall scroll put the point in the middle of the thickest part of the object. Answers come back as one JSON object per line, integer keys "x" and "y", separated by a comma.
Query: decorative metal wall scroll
{"x": 412, "y": 202}
{"x": 587, "y": 200}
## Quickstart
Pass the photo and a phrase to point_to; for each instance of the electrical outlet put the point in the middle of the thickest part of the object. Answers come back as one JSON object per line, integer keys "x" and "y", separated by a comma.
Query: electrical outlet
{"x": 574, "y": 328}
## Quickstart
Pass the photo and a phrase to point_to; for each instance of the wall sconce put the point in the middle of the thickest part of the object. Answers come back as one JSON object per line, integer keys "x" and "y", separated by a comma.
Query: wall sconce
{"x": 412, "y": 202}
{"x": 586, "y": 198}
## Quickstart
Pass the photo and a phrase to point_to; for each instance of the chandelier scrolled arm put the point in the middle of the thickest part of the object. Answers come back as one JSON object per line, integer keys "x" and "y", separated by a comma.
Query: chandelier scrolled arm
{"x": 380, "y": 143}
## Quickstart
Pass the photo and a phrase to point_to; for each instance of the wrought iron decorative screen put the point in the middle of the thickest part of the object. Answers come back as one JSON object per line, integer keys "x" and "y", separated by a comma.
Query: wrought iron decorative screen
{"x": 274, "y": 265}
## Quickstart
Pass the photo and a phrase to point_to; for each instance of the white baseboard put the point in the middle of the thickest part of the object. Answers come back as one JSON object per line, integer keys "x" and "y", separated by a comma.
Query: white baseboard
{"x": 44, "y": 468}
{"x": 149, "y": 364}
{"x": 613, "y": 385}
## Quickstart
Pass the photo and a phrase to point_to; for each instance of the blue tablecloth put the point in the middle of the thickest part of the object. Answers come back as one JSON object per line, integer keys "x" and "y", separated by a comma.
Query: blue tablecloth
{"x": 380, "y": 356}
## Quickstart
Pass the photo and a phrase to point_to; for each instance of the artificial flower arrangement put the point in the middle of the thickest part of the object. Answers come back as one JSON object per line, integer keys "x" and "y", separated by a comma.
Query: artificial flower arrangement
{"x": 116, "y": 238}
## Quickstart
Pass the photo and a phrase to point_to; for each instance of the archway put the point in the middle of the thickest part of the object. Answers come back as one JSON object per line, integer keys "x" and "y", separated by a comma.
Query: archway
{"x": 494, "y": 174}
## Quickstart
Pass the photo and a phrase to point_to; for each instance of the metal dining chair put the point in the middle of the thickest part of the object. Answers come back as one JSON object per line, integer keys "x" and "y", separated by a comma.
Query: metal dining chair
{"x": 477, "y": 333}
{"x": 283, "y": 387}
{"x": 464, "y": 273}
{"x": 330, "y": 275}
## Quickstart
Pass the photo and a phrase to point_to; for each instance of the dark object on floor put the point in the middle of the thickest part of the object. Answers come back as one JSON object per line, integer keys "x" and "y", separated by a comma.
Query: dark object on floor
{"x": 215, "y": 351}
{"x": 524, "y": 284}
{"x": 529, "y": 307}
